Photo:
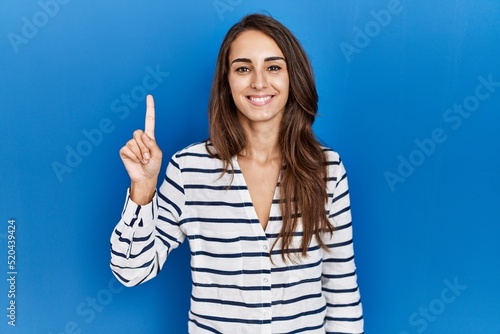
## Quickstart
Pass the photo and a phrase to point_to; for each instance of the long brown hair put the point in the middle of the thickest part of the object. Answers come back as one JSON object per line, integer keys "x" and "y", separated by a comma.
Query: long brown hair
{"x": 303, "y": 179}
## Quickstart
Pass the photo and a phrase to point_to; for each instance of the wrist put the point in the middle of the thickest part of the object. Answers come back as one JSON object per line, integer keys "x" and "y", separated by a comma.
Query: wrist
{"x": 142, "y": 192}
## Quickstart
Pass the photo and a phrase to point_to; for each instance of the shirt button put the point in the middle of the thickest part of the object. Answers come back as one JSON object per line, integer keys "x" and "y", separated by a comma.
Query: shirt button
{"x": 266, "y": 280}
{"x": 265, "y": 247}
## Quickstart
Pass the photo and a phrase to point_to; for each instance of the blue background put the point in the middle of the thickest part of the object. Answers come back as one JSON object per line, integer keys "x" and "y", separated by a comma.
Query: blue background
{"x": 417, "y": 231}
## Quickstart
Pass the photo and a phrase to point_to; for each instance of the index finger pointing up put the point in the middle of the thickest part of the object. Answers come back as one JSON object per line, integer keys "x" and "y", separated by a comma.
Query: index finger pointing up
{"x": 149, "y": 128}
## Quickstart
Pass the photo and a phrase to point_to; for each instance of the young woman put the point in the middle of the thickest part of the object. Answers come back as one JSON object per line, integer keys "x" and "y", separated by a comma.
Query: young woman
{"x": 264, "y": 206}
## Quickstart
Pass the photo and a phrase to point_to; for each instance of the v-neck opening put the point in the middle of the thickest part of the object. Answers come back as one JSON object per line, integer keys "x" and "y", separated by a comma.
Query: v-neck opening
{"x": 246, "y": 197}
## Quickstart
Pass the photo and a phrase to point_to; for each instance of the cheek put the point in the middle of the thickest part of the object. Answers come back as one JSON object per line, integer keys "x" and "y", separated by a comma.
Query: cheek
{"x": 235, "y": 87}
{"x": 236, "y": 83}
{"x": 236, "y": 91}
{"x": 284, "y": 86}
{"x": 281, "y": 81}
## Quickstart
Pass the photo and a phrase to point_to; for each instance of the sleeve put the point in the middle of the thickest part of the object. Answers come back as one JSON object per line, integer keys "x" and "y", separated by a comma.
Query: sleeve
{"x": 344, "y": 313}
{"x": 145, "y": 235}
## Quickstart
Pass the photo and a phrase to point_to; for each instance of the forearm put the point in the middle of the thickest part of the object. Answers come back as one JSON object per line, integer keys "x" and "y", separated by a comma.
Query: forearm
{"x": 133, "y": 244}
{"x": 344, "y": 310}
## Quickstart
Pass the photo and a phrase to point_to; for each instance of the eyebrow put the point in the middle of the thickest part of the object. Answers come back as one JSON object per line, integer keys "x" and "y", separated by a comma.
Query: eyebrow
{"x": 246, "y": 60}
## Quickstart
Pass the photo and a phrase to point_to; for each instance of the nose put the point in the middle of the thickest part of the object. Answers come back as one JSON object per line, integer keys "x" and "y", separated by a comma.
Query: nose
{"x": 259, "y": 81}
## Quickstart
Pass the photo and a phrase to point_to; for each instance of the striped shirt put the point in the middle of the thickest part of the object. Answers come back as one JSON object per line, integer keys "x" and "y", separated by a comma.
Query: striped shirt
{"x": 240, "y": 284}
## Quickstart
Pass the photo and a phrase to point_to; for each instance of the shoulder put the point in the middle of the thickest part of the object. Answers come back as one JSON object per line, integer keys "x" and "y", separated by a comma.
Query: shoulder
{"x": 199, "y": 149}
{"x": 196, "y": 155}
{"x": 332, "y": 157}
{"x": 335, "y": 167}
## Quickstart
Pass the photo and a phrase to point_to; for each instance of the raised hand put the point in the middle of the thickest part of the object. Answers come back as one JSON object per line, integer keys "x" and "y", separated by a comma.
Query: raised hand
{"x": 142, "y": 158}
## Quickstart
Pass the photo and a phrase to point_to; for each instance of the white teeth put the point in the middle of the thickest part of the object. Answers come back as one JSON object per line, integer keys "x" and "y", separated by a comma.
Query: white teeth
{"x": 260, "y": 99}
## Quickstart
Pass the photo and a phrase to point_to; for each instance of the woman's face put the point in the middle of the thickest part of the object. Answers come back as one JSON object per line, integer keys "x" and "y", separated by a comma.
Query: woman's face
{"x": 258, "y": 78}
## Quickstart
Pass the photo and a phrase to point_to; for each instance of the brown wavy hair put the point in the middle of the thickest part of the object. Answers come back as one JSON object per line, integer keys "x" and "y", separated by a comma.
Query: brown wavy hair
{"x": 303, "y": 178}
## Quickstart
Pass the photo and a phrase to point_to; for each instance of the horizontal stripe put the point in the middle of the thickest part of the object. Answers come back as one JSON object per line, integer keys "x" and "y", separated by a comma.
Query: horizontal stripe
{"x": 229, "y": 302}
{"x": 296, "y": 250}
{"x": 144, "y": 265}
{"x": 297, "y": 267}
{"x": 227, "y": 240}
{"x": 142, "y": 251}
{"x": 339, "y": 260}
{"x": 166, "y": 235}
{"x": 192, "y": 154}
{"x": 344, "y": 305}
{"x": 342, "y": 178}
{"x": 332, "y": 163}
{"x": 135, "y": 239}
{"x": 343, "y": 319}
{"x": 229, "y": 256}
{"x": 306, "y": 329}
{"x": 174, "y": 163}
{"x": 222, "y": 319}
{"x": 335, "y": 214}
{"x": 339, "y": 275}
{"x": 205, "y": 327}
{"x": 219, "y": 220}
{"x": 344, "y": 194}
{"x": 340, "y": 290}
{"x": 340, "y": 244}
{"x": 292, "y": 284}
{"x": 232, "y": 286}
{"x": 216, "y": 188}
{"x": 167, "y": 219}
{"x": 203, "y": 203}
{"x": 205, "y": 170}
{"x": 165, "y": 242}
{"x": 298, "y": 299}
{"x": 342, "y": 227}
{"x": 120, "y": 277}
{"x": 168, "y": 201}
{"x": 298, "y": 315}
{"x": 229, "y": 272}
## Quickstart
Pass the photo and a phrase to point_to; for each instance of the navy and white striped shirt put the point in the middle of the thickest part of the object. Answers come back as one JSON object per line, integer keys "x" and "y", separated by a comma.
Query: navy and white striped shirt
{"x": 236, "y": 287}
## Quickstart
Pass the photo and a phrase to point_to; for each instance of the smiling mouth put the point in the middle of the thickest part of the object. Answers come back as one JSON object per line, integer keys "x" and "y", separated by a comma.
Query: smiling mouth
{"x": 260, "y": 100}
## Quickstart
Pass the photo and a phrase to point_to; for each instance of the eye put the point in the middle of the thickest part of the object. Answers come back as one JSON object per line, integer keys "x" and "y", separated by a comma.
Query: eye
{"x": 242, "y": 69}
{"x": 274, "y": 68}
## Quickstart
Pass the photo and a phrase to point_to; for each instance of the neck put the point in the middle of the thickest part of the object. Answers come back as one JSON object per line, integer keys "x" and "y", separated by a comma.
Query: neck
{"x": 261, "y": 144}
